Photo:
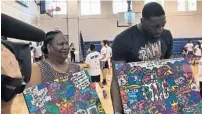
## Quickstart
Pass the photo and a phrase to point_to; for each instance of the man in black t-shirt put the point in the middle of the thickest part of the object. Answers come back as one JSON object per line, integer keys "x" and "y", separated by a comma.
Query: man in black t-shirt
{"x": 146, "y": 41}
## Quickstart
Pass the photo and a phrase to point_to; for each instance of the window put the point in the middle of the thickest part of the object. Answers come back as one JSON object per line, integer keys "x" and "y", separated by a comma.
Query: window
{"x": 63, "y": 7}
{"x": 187, "y": 5}
{"x": 90, "y": 7}
{"x": 158, "y": 1}
{"x": 192, "y": 5}
{"x": 181, "y": 5}
{"x": 120, "y": 6}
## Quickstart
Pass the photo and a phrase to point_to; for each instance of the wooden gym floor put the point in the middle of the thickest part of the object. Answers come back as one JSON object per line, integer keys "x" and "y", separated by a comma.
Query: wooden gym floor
{"x": 18, "y": 106}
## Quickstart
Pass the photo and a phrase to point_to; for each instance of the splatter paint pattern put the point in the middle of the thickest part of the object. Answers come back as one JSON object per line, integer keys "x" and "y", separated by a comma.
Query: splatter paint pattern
{"x": 71, "y": 95}
{"x": 158, "y": 87}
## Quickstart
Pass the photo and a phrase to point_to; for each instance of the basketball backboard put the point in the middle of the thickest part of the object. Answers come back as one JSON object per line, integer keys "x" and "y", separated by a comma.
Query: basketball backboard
{"x": 126, "y": 19}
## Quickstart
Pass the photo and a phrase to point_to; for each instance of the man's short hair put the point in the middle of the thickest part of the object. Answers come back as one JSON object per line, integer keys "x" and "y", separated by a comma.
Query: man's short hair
{"x": 92, "y": 47}
{"x": 152, "y": 9}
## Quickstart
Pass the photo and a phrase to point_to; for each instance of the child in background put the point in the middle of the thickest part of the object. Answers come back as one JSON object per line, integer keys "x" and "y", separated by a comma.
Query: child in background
{"x": 197, "y": 52}
{"x": 104, "y": 56}
{"x": 184, "y": 52}
{"x": 190, "y": 46}
{"x": 72, "y": 52}
{"x": 93, "y": 63}
{"x": 200, "y": 75}
{"x": 200, "y": 69}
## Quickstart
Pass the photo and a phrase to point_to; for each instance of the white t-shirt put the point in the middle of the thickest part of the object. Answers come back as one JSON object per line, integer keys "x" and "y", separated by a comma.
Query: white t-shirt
{"x": 38, "y": 52}
{"x": 103, "y": 54}
{"x": 198, "y": 51}
{"x": 32, "y": 56}
{"x": 200, "y": 69}
{"x": 109, "y": 55}
{"x": 109, "y": 52}
{"x": 93, "y": 60}
{"x": 189, "y": 46}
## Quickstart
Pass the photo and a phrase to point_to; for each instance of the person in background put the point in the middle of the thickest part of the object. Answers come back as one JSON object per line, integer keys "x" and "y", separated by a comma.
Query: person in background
{"x": 32, "y": 52}
{"x": 109, "y": 57}
{"x": 189, "y": 46}
{"x": 30, "y": 44}
{"x": 93, "y": 63}
{"x": 184, "y": 52}
{"x": 145, "y": 41}
{"x": 197, "y": 52}
{"x": 3, "y": 38}
{"x": 37, "y": 52}
{"x": 11, "y": 68}
{"x": 56, "y": 65}
{"x": 200, "y": 75}
{"x": 104, "y": 61}
{"x": 200, "y": 69}
{"x": 72, "y": 54}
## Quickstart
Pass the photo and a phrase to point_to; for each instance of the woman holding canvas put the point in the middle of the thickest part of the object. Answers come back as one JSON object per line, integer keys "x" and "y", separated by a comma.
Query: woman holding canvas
{"x": 56, "y": 65}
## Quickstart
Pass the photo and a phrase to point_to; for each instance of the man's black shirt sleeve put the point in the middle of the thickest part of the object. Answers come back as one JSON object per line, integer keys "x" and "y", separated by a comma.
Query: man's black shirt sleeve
{"x": 121, "y": 47}
{"x": 169, "y": 43}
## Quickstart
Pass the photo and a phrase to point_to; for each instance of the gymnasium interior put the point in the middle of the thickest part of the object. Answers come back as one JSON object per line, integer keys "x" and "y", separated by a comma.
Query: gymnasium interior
{"x": 86, "y": 22}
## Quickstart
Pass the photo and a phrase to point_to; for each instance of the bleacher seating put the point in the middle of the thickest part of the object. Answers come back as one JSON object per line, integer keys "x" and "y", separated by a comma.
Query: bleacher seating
{"x": 178, "y": 45}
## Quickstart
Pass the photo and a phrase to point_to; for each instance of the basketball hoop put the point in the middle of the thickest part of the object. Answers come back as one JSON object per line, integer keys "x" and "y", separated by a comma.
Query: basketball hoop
{"x": 50, "y": 11}
{"x": 57, "y": 9}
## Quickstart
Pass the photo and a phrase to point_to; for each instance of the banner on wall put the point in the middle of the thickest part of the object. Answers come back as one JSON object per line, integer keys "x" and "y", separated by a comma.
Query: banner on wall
{"x": 160, "y": 86}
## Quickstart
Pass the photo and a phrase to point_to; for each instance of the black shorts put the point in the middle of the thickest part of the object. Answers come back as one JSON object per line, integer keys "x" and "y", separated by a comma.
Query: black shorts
{"x": 190, "y": 53}
{"x": 197, "y": 56}
{"x": 95, "y": 78}
{"x": 104, "y": 64}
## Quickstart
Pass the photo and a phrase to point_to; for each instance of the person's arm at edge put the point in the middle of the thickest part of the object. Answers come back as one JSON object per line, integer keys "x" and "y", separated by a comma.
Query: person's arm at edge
{"x": 35, "y": 76}
{"x": 115, "y": 96}
{"x": 170, "y": 46}
{"x": 119, "y": 50}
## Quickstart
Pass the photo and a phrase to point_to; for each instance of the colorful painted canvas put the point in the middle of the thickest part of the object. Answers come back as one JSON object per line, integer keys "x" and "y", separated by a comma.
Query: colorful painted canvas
{"x": 158, "y": 87}
{"x": 71, "y": 95}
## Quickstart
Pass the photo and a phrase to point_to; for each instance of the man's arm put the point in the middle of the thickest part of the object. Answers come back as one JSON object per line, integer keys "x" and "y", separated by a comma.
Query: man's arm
{"x": 115, "y": 96}
{"x": 119, "y": 50}
{"x": 169, "y": 43}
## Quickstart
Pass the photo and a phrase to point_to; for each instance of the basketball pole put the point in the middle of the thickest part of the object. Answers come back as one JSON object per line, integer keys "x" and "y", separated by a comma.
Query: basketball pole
{"x": 129, "y": 5}
{"x": 129, "y": 12}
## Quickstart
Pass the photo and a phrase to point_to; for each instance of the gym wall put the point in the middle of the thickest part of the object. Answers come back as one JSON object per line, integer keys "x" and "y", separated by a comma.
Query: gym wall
{"x": 181, "y": 24}
{"x": 48, "y": 23}
{"x": 28, "y": 14}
